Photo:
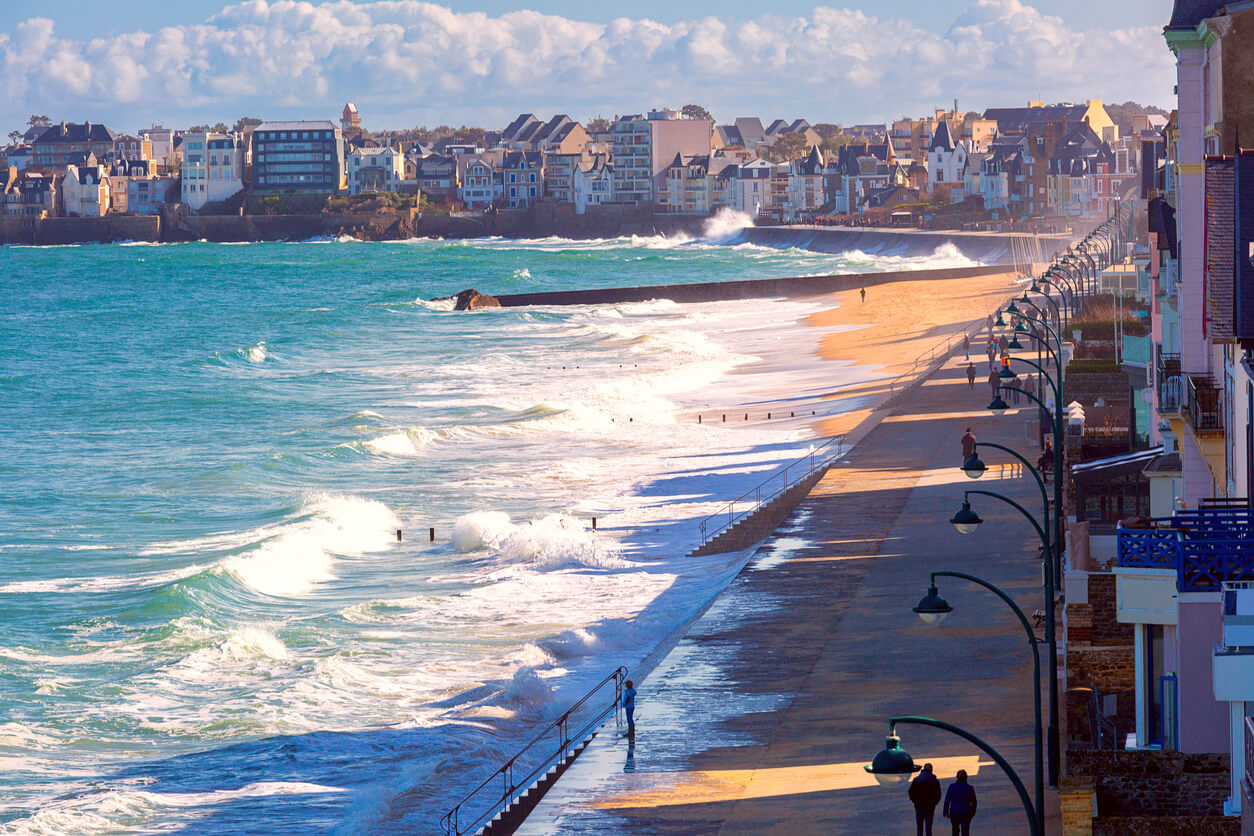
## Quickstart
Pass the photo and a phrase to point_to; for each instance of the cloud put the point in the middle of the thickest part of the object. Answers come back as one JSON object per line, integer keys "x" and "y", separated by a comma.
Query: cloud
{"x": 406, "y": 62}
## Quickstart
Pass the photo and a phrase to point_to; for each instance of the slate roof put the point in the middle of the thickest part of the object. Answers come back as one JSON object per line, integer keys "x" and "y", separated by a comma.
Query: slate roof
{"x": 729, "y": 135}
{"x": 813, "y": 163}
{"x": 778, "y": 126}
{"x": 70, "y": 132}
{"x": 1163, "y": 216}
{"x": 316, "y": 125}
{"x": 941, "y": 139}
{"x": 1017, "y": 119}
{"x": 1220, "y": 245}
{"x": 523, "y": 159}
{"x": 1187, "y": 14}
{"x": 750, "y": 129}
{"x": 89, "y": 176}
{"x": 847, "y": 159}
{"x": 517, "y": 125}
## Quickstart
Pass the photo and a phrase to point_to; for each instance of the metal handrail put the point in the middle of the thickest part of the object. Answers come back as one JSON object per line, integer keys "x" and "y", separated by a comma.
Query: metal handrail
{"x": 451, "y": 824}
{"x": 931, "y": 355}
{"x": 800, "y": 469}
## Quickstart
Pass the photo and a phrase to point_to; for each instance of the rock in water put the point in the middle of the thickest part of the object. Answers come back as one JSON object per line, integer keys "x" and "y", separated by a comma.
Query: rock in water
{"x": 469, "y": 300}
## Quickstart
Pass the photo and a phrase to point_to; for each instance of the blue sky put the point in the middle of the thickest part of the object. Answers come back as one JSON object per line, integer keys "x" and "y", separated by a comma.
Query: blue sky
{"x": 483, "y": 61}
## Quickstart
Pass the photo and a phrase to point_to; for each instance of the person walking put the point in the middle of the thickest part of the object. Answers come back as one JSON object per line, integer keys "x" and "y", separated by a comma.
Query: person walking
{"x": 968, "y": 445}
{"x": 863, "y": 292}
{"x": 1003, "y": 345}
{"x": 629, "y": 705}
{"x": 960, "y": 805}
{"x": 966, "y": 346}
{"x": 925, "y": 794}
{"x": 970, "y": 375}
{"x": 1029, "y": 385}
{"x": 1013, "y": 386}
{"x": 994, "y": 381}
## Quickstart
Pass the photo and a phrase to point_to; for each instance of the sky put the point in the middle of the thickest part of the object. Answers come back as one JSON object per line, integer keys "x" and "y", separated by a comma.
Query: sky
{"x": 481, "y": 62}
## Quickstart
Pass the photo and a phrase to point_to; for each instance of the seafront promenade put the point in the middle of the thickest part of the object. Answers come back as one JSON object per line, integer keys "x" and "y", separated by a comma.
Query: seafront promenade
{"x": 760, "y": 719}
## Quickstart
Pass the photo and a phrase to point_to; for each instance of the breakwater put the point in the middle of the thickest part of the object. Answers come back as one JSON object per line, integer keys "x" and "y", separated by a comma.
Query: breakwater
{"x": 745, "y": 289}
{"x": 988, "y": 247}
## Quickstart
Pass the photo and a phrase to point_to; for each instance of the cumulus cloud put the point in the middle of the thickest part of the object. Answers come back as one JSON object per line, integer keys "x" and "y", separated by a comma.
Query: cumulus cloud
{"x": 406, "y": 62}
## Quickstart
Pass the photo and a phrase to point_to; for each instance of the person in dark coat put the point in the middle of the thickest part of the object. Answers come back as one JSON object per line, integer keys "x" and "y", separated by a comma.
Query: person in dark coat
{"x": 960, "y": 804}
{"x": 968, "y": 444}
{"x": 994, "y": 382}
{"x": 925, "y": 794}
{"x": 629, "y": 705}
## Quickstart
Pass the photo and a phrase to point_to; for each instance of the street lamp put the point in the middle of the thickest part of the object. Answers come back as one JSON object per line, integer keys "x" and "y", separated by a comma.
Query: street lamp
{"x": 892, "y": 765}
{"x": 933, "y": 608}
{"x": 965, "y": 520}
{"x": 892, "y": 762}
{"x": 998, "y": 406}
{"x": 973, "y": 467}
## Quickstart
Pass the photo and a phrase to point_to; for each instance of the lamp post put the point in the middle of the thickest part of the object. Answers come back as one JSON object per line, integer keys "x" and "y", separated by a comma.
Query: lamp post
{"x": 932, "y": 609}
{"x": 966, "y": 520}
{"x": 893, "y": 765}
{"x": 974, "y": 468}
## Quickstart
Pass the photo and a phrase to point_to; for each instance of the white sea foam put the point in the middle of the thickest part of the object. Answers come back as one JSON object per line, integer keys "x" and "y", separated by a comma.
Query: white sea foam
{"x": 303, "y": 554}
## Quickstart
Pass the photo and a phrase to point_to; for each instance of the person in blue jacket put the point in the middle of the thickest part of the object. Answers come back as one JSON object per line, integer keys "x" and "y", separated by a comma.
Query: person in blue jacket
{"x": 960, "y": 804}
{"x": 629, "y": 705}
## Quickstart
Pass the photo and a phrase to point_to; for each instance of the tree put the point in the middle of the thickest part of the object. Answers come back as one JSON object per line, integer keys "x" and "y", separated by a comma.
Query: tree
{"x": 833, "y": 144}
{"x": 14, "y": 136}
{"x": 245, "y": 124}
{"x": 598, "y": 125}
{"x": 694, "y": 111}
{"x": 196, "y": 129}
{"x": 220, "y": 127}
{"x": 789, "y": 146}
{"x": 36, "y": 121}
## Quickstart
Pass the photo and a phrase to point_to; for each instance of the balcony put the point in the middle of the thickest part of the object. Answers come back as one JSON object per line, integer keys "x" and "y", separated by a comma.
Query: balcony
{"x": 1170, "y": 386}
{"x": 1205, "y": 404}
{"x": 1207, "y": 547}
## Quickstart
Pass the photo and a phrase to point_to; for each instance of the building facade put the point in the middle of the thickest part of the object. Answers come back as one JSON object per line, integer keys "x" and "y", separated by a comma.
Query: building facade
{"x": 212, "y": 167}
{"x": 298, "y": 156}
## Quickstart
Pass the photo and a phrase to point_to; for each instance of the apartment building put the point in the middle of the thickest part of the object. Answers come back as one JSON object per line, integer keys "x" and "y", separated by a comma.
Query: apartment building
{"x": 298, "y": 156}
{"x": 644, "y": 146}
{"x": 374, "y": 169}
{"x": 212, "y": 167}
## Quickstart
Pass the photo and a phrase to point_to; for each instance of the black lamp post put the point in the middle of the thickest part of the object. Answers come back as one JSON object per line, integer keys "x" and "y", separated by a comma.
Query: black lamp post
{"x": 967, "y": 521}
{"x": 932, "y": 609}
{"x": 893, "y": 766}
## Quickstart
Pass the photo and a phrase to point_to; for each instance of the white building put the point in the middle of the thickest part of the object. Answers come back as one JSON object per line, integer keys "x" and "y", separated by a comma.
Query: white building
{"x": 592, "y": 184}
{"x": 85, "y": 191}
{"x": 161, "y": 141}
{"x": 375, "y": 170}
{"x": 213, "y": 167}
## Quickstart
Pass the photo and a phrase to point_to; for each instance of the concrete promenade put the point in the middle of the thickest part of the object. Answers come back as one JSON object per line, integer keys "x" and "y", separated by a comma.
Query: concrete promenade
{"x": 759, "y": 720}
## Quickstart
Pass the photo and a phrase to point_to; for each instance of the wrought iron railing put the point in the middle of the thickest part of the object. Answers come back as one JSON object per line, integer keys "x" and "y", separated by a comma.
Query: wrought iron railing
{"x": 761, "y": 494}
{"x": 1205, "y": 407}
{"x": 1170, "y": 383}
{"x": 533, "y": 760}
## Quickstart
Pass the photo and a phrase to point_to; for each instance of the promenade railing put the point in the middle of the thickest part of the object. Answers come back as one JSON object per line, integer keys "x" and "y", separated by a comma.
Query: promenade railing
{"x": 764, "y": 492}
{"x": 938, "y": 351}
{"x": 547, "y": 749}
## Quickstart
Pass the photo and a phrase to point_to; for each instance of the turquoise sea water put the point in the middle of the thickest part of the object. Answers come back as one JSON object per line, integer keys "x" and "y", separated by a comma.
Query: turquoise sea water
{"x": 206, "y": 622}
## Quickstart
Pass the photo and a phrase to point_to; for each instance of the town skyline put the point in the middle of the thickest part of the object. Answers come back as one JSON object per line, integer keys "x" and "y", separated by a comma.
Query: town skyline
{"x": 409, "y": 64}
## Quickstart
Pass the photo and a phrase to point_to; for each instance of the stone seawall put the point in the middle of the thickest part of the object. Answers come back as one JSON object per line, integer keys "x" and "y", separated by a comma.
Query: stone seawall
{"x": 47, "y": 231}
{"x": 746, "y": 289}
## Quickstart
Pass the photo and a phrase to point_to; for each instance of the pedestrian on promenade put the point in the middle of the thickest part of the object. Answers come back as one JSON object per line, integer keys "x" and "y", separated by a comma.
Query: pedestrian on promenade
{"x": 960, "y": 804}
{"x": 1029, "y": 385}
{"x": 1003, "y": 344}
{"x": 966, "y": 345}
{"x": 968, "y": 445}
{"x": 1045, "y": 464}
{"x": 970, "y": 375}
{"x": 994, "y": 381}
{"x": 992, "y": 353}
{"x": 863, "y": 292}
{"x": 925, "y": 794}
{"x": 1013, "y": 386}
{"x": 629, "y": 705}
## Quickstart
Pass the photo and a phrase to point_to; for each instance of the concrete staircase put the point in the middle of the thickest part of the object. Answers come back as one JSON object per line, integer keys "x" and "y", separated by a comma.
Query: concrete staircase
{"x": 516, "y": 812}
{"x": 757, "y": 526}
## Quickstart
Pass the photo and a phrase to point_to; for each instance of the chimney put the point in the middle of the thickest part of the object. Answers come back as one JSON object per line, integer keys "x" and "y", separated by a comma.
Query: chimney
{"x": 87, "y": 128}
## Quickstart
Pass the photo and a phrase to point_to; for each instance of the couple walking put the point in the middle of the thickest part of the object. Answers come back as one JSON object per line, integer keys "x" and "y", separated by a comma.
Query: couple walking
{"x": 925, "y": 794}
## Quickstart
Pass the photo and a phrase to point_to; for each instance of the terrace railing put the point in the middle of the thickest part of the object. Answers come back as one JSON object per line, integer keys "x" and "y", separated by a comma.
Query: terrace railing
{"x": 1207, "y": 548}
{"x": 1170, "y": 382}
{"x": 1205, "y": 407}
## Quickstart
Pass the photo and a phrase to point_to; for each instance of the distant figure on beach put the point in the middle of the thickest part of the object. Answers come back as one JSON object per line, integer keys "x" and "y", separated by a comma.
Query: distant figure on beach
{"x": 925, "y": 794}
{"x": 966, "y": 345}
{"x": 994, "y": 381}
{"x": 863, "y": 292}
{"x": 970, "y": 375}
{"x": 968, "y": 445}
{"x": 629, "y": 705}
{"x": 960, "y": 804}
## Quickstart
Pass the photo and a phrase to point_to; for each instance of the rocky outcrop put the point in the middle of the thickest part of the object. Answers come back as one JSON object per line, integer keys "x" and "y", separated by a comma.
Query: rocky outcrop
{"x": 471, "y": 299}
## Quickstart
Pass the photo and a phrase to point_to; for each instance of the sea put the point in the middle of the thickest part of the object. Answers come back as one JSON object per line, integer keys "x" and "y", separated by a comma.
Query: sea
{"x": 209, "y": 623}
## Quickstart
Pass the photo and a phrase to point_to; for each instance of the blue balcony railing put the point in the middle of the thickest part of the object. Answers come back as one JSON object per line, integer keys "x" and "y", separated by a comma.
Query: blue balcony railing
{"x": 1207, "y": 548}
